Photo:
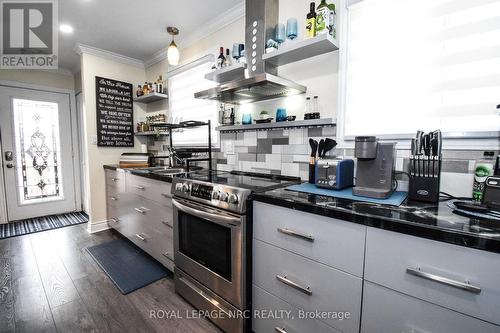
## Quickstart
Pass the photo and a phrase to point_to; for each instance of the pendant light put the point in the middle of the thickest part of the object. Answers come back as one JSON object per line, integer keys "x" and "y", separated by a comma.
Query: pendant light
{"x": 173, "y": 51}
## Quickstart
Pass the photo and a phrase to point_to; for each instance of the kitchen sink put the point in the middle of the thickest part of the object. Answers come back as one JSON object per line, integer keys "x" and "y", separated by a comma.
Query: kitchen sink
{"x": 163, "y": 170}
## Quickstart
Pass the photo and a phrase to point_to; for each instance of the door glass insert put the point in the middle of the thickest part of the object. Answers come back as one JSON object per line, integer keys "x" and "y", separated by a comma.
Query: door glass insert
{"x": 37, "y": 151}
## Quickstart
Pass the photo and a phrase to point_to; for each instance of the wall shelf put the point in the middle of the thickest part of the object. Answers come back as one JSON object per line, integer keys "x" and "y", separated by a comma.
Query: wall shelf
{"x": 151, "y": 133}
{"x": 225, "y": 74}
{"x": 150, "y": 98}
{"x": 278, "y": 125}
{"x": 300, "y": 50}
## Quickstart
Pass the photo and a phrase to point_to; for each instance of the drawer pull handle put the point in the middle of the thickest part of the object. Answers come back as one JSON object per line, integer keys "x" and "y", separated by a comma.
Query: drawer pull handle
{"x": 115, "y": 220}
{"x": 305, "y": 290}
{"x": 279, "y": 329}
{"x": 141, "y": 237}
{"x": 167, "y": 224}
{"x": 443, "y": 280}
{"x": 167, "y": 255}
{"x": 114, "y": 198}
{"x": 167, "y": 195}
{"x": 140, "y": 210}
{"x": 289, "y": 232}
{"x": 115, "y": 179}
{"x": 140, "y": 187}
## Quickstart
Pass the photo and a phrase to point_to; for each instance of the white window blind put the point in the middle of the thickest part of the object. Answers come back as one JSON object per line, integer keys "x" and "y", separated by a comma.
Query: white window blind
{"x": 422, "y": 64}
{"x": 183, "y": 106}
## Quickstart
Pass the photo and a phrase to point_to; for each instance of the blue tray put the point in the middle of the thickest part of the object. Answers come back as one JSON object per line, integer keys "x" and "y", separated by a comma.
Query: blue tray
{"x": 396, "y": 199}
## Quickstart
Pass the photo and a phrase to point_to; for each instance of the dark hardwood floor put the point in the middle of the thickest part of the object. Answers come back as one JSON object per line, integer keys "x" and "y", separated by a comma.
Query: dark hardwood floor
{"x": 49, "y": 283}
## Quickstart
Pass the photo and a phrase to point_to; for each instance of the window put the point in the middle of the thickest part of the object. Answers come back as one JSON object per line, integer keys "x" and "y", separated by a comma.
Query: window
{"x": 422, "y": 64}
{"x": 182, "y": 84}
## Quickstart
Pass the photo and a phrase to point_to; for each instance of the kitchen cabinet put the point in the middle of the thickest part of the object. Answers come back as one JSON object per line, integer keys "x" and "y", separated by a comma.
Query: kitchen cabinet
{"x": 386, "y": 310}
{"x": 459, "y": 278}
{"x": 141, "y": 210}
{"x": 308, "y": 262}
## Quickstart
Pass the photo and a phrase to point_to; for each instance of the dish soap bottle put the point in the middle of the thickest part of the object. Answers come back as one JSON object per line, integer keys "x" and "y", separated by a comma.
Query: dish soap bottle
{"x": 322, "y": 18}
{"x": 484, "y": 169}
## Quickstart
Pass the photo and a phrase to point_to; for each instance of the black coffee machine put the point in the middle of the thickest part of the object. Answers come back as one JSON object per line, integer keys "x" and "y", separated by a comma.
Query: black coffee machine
{"x": 375, "y": 167}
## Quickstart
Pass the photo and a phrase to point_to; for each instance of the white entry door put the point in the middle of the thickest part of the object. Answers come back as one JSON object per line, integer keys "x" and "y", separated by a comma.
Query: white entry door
{"x": 36, "y": 138}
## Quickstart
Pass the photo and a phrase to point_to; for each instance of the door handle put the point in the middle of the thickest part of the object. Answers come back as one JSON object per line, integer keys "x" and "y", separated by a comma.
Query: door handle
{"x": 10, "y": 165}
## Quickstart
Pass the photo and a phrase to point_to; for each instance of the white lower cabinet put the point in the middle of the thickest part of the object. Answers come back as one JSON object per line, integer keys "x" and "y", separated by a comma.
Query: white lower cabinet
{"x": 146, "y": 222}
{"x": 388, "y": 311}
{"x": 275, "y": 315}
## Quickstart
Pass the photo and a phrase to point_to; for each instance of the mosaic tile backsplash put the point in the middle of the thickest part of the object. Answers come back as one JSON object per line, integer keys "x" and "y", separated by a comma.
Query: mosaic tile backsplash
{"x": 286, "y": 152}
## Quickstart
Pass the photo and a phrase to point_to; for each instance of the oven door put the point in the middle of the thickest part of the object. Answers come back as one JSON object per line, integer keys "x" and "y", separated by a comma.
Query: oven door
{"x": 208, "y": 245}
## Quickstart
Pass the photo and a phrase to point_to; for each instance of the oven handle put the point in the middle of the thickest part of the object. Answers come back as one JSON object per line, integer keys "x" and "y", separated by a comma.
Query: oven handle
{"x": 207, "y": 213}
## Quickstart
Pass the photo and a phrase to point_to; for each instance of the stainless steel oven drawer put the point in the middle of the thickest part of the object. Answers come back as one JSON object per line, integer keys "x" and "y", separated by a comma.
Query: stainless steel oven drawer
{"x": 224, "y": 314}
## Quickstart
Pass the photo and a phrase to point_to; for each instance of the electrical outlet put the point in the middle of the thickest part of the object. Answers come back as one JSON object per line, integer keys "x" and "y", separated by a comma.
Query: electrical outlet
{"x": 229, "y": 147}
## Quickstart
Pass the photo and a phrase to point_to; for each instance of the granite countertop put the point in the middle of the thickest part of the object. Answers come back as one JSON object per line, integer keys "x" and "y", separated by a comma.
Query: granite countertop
{"x": 164, "y": 178}
{"x": 431, "y": 221}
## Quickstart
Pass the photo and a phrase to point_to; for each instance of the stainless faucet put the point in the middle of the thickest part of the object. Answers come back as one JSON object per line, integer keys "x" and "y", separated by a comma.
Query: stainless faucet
{"x": 172, "y": 156}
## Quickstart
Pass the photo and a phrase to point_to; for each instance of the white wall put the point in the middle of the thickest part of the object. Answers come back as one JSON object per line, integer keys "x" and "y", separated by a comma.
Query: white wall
{"x": 92, "y": 66}
{"x": 45, "y": 78}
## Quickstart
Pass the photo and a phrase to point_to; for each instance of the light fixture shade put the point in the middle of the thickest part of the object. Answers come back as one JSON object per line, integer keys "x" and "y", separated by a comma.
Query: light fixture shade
{"x": 173, "y": 54}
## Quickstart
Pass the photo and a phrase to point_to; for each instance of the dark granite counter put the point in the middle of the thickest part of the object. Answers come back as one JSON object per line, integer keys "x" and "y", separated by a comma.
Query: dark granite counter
{"x": 436, "y": 222}
{"x": 164, "y": 178}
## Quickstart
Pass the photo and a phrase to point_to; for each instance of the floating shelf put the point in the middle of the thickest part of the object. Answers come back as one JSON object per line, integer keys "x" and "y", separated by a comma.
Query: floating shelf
{"x": 278, "y": 125}
{"x": 300, "y": 50}
{"x": 225, "y": 74}
{"x": 151, "y": 133}
{"x": 150, "y": 98}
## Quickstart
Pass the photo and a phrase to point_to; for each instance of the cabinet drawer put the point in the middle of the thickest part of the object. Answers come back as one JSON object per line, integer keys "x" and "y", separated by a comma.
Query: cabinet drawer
{"x": 155, "y": 190}
{"x": 386, "y": 311}
{"x": 115, "y": 180}
{"x": 335, "y": 243}
{"x": 317, "y": 286}
{"x": 147, "y": 212}
{"x": 157, "y": 245}
{"x": 417, "y": 266}
{"x": 289, "y": 318}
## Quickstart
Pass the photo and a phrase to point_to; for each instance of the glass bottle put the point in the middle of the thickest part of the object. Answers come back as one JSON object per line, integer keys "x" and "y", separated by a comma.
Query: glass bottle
{"x": 322, "y": 18}
{"x": 311, "y": 21}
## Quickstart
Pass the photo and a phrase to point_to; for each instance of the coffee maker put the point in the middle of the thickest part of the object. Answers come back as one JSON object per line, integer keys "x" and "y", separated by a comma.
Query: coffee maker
{"x": 375, "y": 167}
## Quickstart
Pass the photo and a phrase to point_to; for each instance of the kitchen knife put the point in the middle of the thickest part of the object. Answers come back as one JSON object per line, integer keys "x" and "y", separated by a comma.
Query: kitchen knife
{"x": 413, "y": 155}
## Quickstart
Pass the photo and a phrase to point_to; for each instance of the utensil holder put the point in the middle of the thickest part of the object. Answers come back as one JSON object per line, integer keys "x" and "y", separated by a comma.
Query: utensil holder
{"x": 425, "y": 177}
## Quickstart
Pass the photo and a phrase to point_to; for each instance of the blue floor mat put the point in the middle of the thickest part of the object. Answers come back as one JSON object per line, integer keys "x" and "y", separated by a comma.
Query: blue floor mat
{"x": 127, "y": 266}
{"x": 396, "y": 199}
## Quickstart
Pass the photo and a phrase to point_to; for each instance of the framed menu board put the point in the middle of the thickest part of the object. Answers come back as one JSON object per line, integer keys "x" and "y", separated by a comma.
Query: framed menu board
{"x": 115, "y": 116}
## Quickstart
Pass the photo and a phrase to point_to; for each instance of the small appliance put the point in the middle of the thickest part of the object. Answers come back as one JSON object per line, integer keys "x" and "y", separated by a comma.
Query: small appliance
{"x": 491, "y": 196}
{"x": 335, "y": 174}
{"x": 375, "y": 167}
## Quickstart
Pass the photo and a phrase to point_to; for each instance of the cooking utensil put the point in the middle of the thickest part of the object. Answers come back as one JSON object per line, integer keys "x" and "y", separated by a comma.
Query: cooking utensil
{"x": 312, "y": 161}
{"x": 321, "y": 148}
{"x": 314, "y": 147}
{"x": 329, "y": 145}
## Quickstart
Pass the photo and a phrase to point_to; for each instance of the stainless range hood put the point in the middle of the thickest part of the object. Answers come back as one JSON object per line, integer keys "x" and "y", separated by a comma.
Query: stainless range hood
{"x": 260, "y": 81}
{"x": 256, "y": 88}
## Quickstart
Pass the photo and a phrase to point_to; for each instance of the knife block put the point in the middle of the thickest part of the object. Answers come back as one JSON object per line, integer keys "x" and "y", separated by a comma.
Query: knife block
{"x": 423, "y": 187}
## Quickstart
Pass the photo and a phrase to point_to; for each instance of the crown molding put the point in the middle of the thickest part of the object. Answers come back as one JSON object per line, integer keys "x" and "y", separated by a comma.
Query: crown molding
{"x": 217, "y": 23}
{"x": 59, "y": 71}
{"x": 82, "y": 48}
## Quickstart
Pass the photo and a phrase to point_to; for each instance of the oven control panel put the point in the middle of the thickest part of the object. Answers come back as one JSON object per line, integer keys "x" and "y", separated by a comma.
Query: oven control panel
{"x": 201, "y": 191}
{"x": 225, "y": 197}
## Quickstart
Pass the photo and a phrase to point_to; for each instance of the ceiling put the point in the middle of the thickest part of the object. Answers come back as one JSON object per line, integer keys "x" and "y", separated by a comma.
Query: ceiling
{"x": 132, "y": 28}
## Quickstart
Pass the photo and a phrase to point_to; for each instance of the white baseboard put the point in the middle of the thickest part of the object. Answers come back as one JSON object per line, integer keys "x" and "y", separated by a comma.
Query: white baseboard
{"x": 94, "y": 227}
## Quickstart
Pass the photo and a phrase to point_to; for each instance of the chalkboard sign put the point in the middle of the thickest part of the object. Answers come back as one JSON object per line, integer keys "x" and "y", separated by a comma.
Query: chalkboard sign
{"x": 115, "y": 116}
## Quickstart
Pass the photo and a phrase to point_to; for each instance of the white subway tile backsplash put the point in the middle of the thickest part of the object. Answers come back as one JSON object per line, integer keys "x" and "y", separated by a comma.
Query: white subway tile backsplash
{"x": 262, "y": 135}
{"x": 457, "y": 184}
{"x": 290, "y": 169}
{"x": 301, "y": 158}
{"x": 298, "y": 136}
{"x": 232, "y": 159}
{"x": 250, "y": 139}
{"x": 273, "y": 161}
{"x": 277, "y": 149}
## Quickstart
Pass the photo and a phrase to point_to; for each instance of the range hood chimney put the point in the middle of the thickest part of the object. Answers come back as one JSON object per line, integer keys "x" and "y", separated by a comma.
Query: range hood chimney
{"x": 260, "y": 81}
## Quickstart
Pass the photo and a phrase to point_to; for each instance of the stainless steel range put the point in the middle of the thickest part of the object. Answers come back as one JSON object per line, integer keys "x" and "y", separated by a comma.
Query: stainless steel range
{"x": 212, "y": 241}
